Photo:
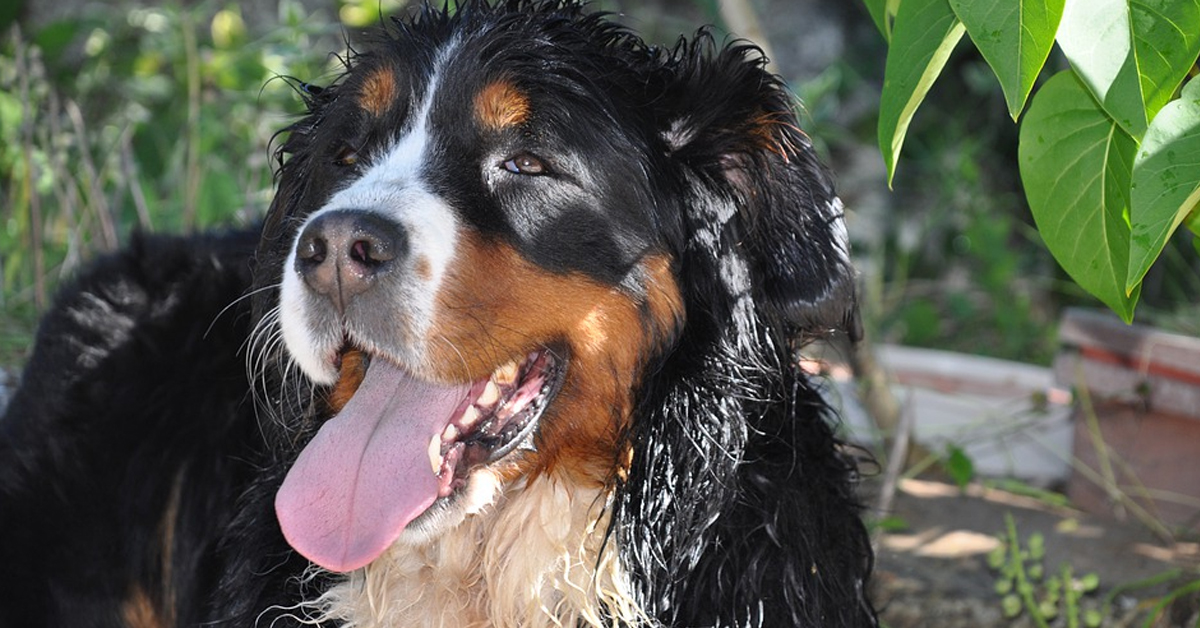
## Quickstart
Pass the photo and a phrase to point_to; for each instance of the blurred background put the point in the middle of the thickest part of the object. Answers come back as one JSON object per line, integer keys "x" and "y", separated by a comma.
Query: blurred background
{"x": 124, "y": 115}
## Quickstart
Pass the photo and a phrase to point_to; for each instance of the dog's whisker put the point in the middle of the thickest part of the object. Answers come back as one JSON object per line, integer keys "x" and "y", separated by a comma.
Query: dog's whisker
{"x": 233, "y": 303}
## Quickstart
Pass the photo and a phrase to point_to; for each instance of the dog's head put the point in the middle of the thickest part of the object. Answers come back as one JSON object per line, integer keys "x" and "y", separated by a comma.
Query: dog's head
{"x": 490, "y": 233}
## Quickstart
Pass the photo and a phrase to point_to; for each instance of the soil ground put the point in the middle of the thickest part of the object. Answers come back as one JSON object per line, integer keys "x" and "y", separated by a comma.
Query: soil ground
{"x": 934, "y": 573}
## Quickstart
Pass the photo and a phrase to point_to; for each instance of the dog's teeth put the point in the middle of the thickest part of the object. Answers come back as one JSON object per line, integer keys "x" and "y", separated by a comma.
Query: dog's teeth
{"x": 450, "y": 434}
{"x": 470, "y": 418}
{"x": 507, "y": 374}
{"x": 435, "y": 455}
{"x": 489, "y": 396}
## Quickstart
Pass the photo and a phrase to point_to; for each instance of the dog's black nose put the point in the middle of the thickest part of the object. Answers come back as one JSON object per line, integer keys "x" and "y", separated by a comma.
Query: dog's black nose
{"x": 340, "y": 253}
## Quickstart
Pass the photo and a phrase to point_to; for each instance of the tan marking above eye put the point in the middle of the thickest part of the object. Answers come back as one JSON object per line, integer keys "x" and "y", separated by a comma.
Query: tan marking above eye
{"x": 346, "y": 156}
{"x": 378, "y": 91}
{"x": 500, "y": 105}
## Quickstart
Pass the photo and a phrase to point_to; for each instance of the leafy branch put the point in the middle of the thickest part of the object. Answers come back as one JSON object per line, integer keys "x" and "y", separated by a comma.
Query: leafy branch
{"x": 1109, "y": 148}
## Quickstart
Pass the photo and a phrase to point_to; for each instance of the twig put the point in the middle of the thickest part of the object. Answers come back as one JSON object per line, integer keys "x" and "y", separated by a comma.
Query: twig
{"x": 896, "y": 459}
{"x": 1102, "y": 453}
{"x": 129, "y": 170}
{"x": 192, "y": 156}
{"x": 95, "y": 194}
{"x": 22, "y": 54}
{"x": 742, "y": 20}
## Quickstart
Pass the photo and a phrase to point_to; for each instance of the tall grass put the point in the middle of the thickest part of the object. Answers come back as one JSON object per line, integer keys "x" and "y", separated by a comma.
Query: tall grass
{"x": 150, "y": 118}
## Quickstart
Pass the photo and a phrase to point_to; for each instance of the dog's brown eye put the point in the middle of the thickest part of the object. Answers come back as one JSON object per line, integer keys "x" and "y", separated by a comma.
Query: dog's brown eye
{"x": 525, "y": 164}
{"x": 346, "y": 156}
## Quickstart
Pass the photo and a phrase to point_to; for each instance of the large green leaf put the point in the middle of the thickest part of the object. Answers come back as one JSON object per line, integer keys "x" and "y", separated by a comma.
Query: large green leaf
{"x": 1014, "y": 38}
{"x": 1095, "y": 37}
{"x": 924, "y": 34}
{"x": 1166, "y": 36}
{"x": 1132, "y": 54}
{"x": 1075, "y": 164}
{"x": 1166, "y": 180}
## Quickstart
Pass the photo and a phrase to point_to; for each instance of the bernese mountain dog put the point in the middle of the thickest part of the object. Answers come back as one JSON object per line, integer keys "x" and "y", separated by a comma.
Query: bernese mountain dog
{"x": 515, "y": 346}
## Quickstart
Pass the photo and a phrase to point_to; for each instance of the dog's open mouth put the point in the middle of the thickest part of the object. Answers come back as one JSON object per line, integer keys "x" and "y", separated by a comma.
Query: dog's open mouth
{"x": 500, "y": 417}
{"x": 397, "y": 446}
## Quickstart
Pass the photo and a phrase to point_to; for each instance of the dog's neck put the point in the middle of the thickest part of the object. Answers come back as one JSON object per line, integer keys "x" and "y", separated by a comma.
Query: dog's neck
{"x": 536, "y": 558}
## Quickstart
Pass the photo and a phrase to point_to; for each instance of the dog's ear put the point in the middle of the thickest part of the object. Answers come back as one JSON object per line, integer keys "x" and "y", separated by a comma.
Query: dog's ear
{"x": 732, "y": 125}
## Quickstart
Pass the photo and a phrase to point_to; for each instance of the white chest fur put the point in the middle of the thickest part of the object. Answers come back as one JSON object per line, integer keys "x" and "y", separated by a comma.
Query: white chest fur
{"x": 536, "y": 558}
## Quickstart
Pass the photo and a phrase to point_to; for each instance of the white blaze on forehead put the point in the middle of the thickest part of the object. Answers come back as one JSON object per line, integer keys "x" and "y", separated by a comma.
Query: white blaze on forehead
{"x": 391, "y": 186}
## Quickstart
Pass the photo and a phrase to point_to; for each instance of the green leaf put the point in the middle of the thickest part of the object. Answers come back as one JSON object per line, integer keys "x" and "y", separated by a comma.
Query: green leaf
{"x": 1089, "y": 583}
{"x": 1011, "y": 604}
{"x": 1037, "y": 546}
{"x": 1166, "y": 181}
{"x": 959, "y": 465}
{"x": 1014, "y": 38}
{"x": 924, "y": 34}
{"x": 995, "y": 560}
{"x": 1076, "y": 164}
{"x": 892, "y": 523}
{"x": 1166, "y": 36}
{"x": 55, "y": 38}
{"x": 1095, "y": 37}
{"x": 879, "y": 15}
{"x": 1132, "y": 54}
{"x": 1036, "y": 571}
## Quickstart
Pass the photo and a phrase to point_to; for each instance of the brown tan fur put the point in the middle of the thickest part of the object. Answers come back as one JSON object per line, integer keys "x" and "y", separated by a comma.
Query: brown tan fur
{"x": 168, "y": 526}
{"x": 495, "y": 306}
{"x": 378, "y": 91}
{"x": 351, "y": 374}
{"x": 772, "y": 132}
{"x": 138, "y": 611}
{"x": 500, "y": 105}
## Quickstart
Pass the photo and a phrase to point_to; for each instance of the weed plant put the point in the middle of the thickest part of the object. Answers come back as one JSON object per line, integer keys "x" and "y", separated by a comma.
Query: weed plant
{"x": 146, "y": 118}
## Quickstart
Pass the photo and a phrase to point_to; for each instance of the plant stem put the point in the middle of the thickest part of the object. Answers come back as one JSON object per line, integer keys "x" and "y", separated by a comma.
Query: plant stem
{"x": 1070, "y": 597}
{"x": 192, "y": 175}
{"x": 1023, "y": 586}
{"x": 1166, "y": 600}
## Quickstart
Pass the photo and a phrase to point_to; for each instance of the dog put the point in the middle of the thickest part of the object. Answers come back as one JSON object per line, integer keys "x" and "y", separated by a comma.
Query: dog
{"x": 515, "y": 346}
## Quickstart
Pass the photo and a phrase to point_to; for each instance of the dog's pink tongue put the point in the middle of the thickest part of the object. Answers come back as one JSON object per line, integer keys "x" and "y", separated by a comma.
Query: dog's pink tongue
{"x": 366, "y": 474}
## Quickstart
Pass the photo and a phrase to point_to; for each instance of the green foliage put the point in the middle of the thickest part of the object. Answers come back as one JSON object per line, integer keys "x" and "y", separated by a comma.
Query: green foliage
{"x": 958, "y": 269}
{"x": 1076, "y": 164}
{"x": 359, "y": 13}
{"x": 1025, "y": 587}
{"x": 1108, "y": 147}
{"x": 959, "y": 465}
{"x": 1015, "y": 38}
{"x": 1166, "y": 180}
{"x": 159, "y": 118}
{"x": 1017, "y": 487}
{"x": 925, "y": 34}
{"x": 890, "y": 524}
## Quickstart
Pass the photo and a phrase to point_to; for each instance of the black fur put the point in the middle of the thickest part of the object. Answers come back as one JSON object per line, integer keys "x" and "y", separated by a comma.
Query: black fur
{"x": 738, "y": 510}
{"x": 135, "y": 383}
